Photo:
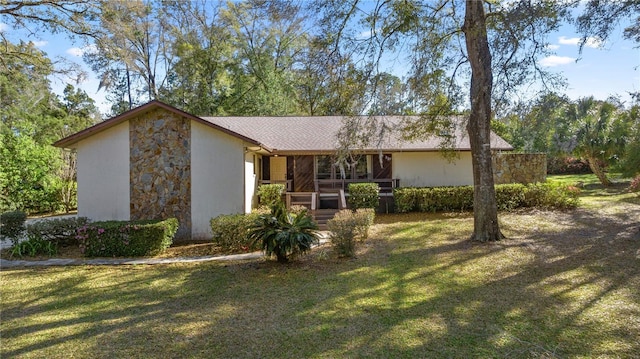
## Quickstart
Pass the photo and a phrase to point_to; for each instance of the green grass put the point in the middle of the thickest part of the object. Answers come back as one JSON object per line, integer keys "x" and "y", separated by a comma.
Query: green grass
{"x": 593, "y": 195}
{"x": 565, "y": 284}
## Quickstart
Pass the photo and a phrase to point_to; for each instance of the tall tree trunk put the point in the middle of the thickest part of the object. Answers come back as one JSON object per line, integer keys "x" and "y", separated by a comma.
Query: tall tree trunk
{"x": 485, "y": 210}
{"x": 598, "y": 171}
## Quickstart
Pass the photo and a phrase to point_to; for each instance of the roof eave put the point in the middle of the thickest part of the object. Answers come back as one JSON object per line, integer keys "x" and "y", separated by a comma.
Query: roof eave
{"x": 71, "y": 140}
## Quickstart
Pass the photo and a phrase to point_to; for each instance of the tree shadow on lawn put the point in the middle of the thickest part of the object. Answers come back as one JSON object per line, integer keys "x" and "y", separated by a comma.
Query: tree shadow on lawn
{"x": 569, "y": 288}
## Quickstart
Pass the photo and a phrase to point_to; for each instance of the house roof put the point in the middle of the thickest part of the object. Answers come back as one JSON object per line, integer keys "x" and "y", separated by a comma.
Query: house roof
{"x": 300, "y": 134}
{"x": 294, "y": 134}
{"x": 70, "y": 141}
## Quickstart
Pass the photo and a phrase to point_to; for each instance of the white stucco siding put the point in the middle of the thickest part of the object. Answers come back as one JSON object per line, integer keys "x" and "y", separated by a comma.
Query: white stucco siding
{"x": 103, "y": 174}
{"x": 430, "y": 169}
{"x": 250, "y": 181}
{"x": 217, "y": 177}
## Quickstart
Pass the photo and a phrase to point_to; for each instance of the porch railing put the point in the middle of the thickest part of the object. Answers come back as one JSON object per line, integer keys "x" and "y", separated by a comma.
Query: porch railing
{"x": 332, "y": 185}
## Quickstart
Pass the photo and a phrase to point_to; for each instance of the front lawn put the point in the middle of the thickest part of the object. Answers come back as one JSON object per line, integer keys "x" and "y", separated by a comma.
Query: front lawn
{"x": 565, "y": 284}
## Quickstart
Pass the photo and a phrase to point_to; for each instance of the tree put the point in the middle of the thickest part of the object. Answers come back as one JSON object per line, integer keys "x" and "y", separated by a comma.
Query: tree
{"x": 72, "y": 17}
{"x": 133, "y": 49}
{"x": 34, "y": 176}
{"x": 601, "y": 135}
{"x": 503, "y": 38}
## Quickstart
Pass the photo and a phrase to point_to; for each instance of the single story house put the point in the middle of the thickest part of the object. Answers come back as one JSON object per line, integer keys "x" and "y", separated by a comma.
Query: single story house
{"x": 156, "y": 161}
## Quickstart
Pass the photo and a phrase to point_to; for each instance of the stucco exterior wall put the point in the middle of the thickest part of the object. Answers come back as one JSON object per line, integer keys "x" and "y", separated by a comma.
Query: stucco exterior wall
{"x": 430, "y": 169}
{"x": 519, "y": 167}
{"x": 217, "y": 172}
{"x": 250, "y": 181}
{"x": 103, "y": 175}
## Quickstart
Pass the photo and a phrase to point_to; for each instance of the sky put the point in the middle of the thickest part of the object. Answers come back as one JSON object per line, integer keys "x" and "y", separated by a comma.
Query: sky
{"x": 602, "y": 70}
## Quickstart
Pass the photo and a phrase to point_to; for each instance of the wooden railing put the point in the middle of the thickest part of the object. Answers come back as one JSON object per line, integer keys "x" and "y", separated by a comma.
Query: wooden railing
{"x": 332, "y": 185}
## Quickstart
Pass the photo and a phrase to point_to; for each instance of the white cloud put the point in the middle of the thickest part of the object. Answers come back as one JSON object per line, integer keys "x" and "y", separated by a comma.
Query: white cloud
{"x": 553, "y": 60}
{"x": 592, "y": 42}
{"x": 3, "y": 27}
{"x": 75, "y": 51}
{"x": 79, "y": 51}
{"x": 40, "y": 43}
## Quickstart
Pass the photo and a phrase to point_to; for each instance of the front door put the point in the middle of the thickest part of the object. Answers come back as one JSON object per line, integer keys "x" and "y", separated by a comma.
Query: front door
{"x": 278, "y": 168}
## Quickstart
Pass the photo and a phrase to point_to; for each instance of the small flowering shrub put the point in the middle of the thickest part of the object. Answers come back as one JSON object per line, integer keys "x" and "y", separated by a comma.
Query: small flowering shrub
{"x": 347, "y": 226}
{"x": 634, "y": 186}
{"x": 58, "y": 231}
{"x": 126, "y": 238}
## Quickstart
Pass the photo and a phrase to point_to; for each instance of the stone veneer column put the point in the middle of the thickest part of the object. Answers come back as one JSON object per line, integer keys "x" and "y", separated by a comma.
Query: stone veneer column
{"x": 160, "y": 168}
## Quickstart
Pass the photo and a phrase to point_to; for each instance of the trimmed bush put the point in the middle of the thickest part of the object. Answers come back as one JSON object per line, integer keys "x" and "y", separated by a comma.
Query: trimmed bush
{"x": 405, "y": 199}
{"x": 126, "y": 238}
{"x": 551, "y": 195}
{"x": 12, "y": 224}
{"x": 271, "y": 194}
{"x": 508, "y": 197}
{"x": 231, "y": 232}
{"x": 62, "y": 231}
{"x": 347, "y": 226}
{"x": 364, "y": 195}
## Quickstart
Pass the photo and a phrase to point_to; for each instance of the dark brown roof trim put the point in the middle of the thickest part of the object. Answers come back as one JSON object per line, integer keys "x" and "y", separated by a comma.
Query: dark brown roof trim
{"x": 90, "y": 131}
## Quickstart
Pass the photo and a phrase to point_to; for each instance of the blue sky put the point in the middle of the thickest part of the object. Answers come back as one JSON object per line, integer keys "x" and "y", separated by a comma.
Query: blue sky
{"x": 612, "y": 68}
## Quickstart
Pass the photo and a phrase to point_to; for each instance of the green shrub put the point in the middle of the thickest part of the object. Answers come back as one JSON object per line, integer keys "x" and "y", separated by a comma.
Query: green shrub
{"x": 364, "y": 220}
{"x": 12, "y": 224}
{"x": 510, "y": 196}
{"x": 347, "y": 226}
{"x": 126, "y": 238}
{"x": 551, "y": 195}
{"x": 405, "y": 199}
{"x": 231, "y": 232}
{"x": 270, "y": 194}
{"x": 60, "y": 231}
{"x": 283, "y": 234}
{"x": 34, "y": 246}
{"x": 364, "y": 195}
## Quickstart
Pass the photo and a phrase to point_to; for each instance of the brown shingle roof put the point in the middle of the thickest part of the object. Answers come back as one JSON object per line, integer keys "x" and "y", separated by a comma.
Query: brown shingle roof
{"x": 293, "y": 134}
{"x": 318, "y": 134}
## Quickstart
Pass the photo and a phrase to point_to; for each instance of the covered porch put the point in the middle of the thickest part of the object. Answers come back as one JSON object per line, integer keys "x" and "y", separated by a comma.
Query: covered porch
{"x": 316, "y": 182}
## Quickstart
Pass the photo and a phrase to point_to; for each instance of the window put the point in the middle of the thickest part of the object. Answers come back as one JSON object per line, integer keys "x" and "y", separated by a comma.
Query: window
{"x": 359, "y": 169}
{"x": 324, "y": 167}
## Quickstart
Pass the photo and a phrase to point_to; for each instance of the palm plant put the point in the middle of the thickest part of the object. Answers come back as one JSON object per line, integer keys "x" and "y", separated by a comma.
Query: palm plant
{"x": 284, "y": 234}
{"x": 596, "y": 140}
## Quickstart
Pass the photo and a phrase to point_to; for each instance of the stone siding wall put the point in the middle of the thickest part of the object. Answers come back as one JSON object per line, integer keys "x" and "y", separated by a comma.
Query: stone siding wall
{"x": 160, "y": 168}
{"x": 519, "y": 167}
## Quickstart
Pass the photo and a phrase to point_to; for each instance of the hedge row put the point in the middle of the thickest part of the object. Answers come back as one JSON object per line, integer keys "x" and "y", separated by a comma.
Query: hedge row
{"x": 126, "y": 238}
{"x": 508, "y": 197}
{"x": 364, "y": 195}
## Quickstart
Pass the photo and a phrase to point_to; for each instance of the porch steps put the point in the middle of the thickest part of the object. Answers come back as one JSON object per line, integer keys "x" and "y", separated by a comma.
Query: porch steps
{"x": 321, "y": 216}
